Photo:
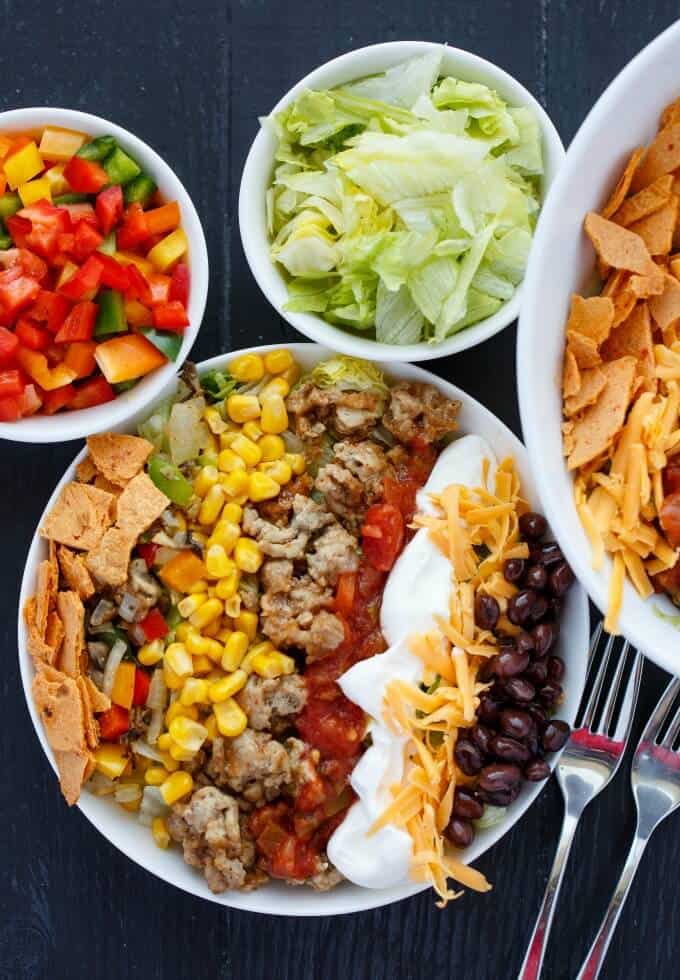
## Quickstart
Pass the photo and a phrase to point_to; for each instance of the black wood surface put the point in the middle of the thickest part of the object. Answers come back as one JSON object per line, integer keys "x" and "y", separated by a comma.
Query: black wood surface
{"x": 191, "y": 78}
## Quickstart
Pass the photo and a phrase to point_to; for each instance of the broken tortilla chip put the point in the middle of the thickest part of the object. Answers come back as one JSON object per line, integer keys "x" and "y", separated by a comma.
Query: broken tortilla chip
{"x": 117, "y": 456}
{"x": 108, "y": 561}
{"x": 595, "y": 431}
{"x": 642, "y": 287}
{"x": 91, "y": 726}
{"x": 645, "y": 202}
{"x": 666, "y": 308}
{"x": 99, "y": 701}
{"x": 656, "y": 230}
{"x": 670, "y": 115}
{"x": 571, "y": 379}
{"x": 592, "y": 382}
{"x": 74, "y": 769}
{"x": 584, "y": 350}
{"x": 139, "y": 505}
{"x": 80, "y": 516}
{"x": 662, "y": 157}
{"x": 592, "y": 317}
{"x": 633, "y": 338}
{"x": 620, "y": 192}
{"x": 75, "y": 572}
{"x": 86, "y": 470}
{"x": 45, "y": 593}
{"x": 619, "y": 247}
{"x": 72, "y": 614}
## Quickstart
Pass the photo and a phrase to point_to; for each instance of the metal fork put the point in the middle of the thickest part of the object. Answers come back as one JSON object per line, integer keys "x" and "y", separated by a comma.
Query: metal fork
{"x": 655, "y": 778}
{"x": 589, "y": 760}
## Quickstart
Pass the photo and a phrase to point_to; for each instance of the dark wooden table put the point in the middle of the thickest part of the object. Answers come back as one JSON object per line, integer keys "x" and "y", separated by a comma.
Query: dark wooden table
{"x": 191, "y": 79}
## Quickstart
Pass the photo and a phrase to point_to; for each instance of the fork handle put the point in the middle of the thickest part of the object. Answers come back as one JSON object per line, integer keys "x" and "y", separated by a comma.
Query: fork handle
{"x": 533, "y": 961}
{"x": 593, "y": 962}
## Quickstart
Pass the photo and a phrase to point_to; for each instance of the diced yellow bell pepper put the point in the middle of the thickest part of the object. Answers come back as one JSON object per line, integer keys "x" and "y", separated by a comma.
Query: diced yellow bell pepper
{"x": 123, "y": 688}
{"x": 183, "y": 571}
{"x": 58, "y": 183}
{"x": 60, "y": 144}
{"x": 129, "y": 258}
{"x": 35, "y": 365}
{"x": 111, "y": 759}
{"x": 35, "y": 190}
{"x": 169, "y": 250}
{"x": 23, "y": 165}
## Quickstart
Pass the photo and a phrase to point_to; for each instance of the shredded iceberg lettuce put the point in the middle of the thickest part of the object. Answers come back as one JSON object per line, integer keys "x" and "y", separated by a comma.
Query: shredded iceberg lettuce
{"x": 403, "y": 205}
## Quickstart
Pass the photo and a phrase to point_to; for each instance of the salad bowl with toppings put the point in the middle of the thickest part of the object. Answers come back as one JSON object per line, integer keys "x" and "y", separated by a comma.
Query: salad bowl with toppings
{"x": 103, "y": 278}
{"x": 299, "y": 625}
{"x": 388, "y": 203}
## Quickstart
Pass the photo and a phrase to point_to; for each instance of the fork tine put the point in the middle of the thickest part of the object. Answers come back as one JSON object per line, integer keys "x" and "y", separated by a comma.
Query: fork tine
{"x": 657, "y": 718}
{"x": 613, "y": 692}
{"x": 673, "y": 729}
{"x": 591, "y": 707}
{"x": 625, "y": 720}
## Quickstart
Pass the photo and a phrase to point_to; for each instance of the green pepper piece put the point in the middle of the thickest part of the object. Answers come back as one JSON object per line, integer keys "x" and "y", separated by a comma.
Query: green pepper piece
{"x": 98, "y": 148}
{"x": 120, "y": 167}
{"x": 112, "y": 635}
{"x": 71, "y": 199}
{"x": 170, "y": 480}
{"x": 109, "y": 245}
{"x": 173, "y": 617}
{"x": 166, "y": 341}
{"x": 5, "y": 238}
{"x": 111, "y": 316}
{"x": 122, "y": 386}
{"x": 10, "y": 203}
{"x": 140, "y": 189}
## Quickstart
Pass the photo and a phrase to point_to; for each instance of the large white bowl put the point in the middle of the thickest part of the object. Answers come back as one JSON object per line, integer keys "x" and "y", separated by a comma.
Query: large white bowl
{"x": 562, "y": 262}
{"x": 78, "y": 424}
{"x": 259, "y": 168}
{"x": 123, "y": 829}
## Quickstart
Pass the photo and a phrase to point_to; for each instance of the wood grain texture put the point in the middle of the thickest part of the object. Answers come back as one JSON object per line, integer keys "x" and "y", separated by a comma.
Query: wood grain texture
{"x": 191, "y": 79}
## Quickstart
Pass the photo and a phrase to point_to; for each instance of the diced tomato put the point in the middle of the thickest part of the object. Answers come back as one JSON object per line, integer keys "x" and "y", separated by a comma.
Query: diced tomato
{"x": 179, "y": 283}
{"x": 114, "y": 275}
{"x": 86, "y": 240}
{"x": 109, "y": 207}
{"x": 94, "y": 392}
{"x": 79, "y": 357}
{"x": 147, "y": 550}
{"x": 58, "y": 399}
{"x": 10, "y": 408}
{"x": 138, "y": 287}
{"x": 8, "y": 345}
{"x": 382, "y": 535}
{"x": 50, "y": 308}
{"x": 79, "y": 324}
{"x": 142, "y": 684}
{"x": 17, "y": 294}
{"x": 31, "y": 264}
{"x": 170, "y": 316}
{"x": 114, "y": 722}
{"x": 30, "y": 401}
{"x": 85, "y": 283}
{"x": 134, "y": 229}
{"x": 153, "y": 625}
{"x": 66, "y": 243}
{"x": 44, "y": 213}
{"x": 669, "y": 518}
{"x": 11, "y": 383}
{"x": 18, "y": 228}
{"x": 85, "y": 176}
{"x": 345, "y": 592}
{"x": 31, "y": 335}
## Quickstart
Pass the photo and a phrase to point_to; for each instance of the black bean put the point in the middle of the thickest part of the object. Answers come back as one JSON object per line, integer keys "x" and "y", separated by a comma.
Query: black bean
{"x": 551, "y": 553}
{"x": 561, "y": 579}
{"x": 468, "y": 757}
{"x": 516, "y": 722}
{"x": 555, "y": 734}
{"x": 539, "y": 609}
{"x": 532, "y": 525}
{"x": 555, "y": 669}
{"x": 532, "y": 744}
{"x": 538, "y": 713}
{"x": 466, "y": 805}
{"x": 481, "y": 736}
{"x": 550, "y": 693}
{"x": 544, "y": 636}
{"x": 537, "y": 672}
{"x": 461, "y": 833}
{"x": 536, "y": 770}
{"x": 524, "y": 642}
{"x": 498, "y": 692}
{"x": 520, "y": 689}
{"x": 511, "y": 662}
{"x": 555, "y": 608}
{"x": 487, "y": 670}
{"x": 509, "y": 749}
{"x": 488, "y": 709}
{"x": 487, "y": 611}
{"x": 536, "y": 578}
{"x": 513, "y": 569}
{"x": 499, "y": 783}
{"x": 520, "y": 606}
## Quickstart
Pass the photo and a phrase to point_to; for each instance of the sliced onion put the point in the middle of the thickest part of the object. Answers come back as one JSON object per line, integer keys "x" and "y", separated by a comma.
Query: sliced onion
{"x": 128, "y": 792}
{"x": 157, "y": 700}
{"x": 116, "y": 654}
{"x": 128, "y": 606}
{"x": 100, "y": 785}
{"x": 293, "y": 443}
{"x": 492, "y": 815}
{"x": 153, "y": 805}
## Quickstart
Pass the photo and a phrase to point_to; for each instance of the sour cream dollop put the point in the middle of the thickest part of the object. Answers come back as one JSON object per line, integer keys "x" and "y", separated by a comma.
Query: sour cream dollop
{"x": 417, "y": 590}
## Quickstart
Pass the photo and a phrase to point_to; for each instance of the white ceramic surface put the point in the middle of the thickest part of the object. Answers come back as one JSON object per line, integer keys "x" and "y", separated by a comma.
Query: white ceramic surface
{"x": 133, "y": 839}
{"x": 78, "y": 424}
{"x": 562, "y": 262}
{"x": 259, "y": 167}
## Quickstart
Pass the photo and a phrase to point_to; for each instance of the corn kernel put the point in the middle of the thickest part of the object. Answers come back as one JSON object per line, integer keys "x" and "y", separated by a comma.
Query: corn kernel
{"x": 247, "y": 367}
{"x": 265, "y": 646}
{"x": 247, "y": 623}
{"x": 111, "y": 759}
{"x": 209, "y": 456}
{"x": 226, "y": 438}
{"x": 228, "y": 585}
{"x": 150, "y": 653}
{"x": 203, "y": 664}
{"x": 195, "y": 691}
{"x": 278, "y": 470}
{"x": 247, "y": 555}
{"x": 262, "y": 487}
{"x": 211, "y": 728}
{"x": 200, "y": 585}
{"x": 209, "y": 611}
{"x": 236, "y": 483}
{"x": 173, "y": 681}
{"x": 164, "y": 741}
{"x": 272, "y": 448}
{"x": 183, "y": 630}
{"x": 232, "y": 513}
{"x": 252, "y": 431}
{"x": 172, "y": 765}
{"x": 292, "y": 374}
{"x": 212, "y": 505}
{"x": 247, "y": 450}
{"x": 297, "y": 462}
{"x": 232, "y": 607}
{"x": 189, "y": 604}
{"x": 159, "y": 830}
{"x": 179, "y": 754}
{"x": 217, "y": 562}
{"x": 176, "y": 786}
{"x": 225, "y": 533}
{"x": 229, "y": 460}
{"x": 231, "y": 719}
{"x": 272, "y": 664}
{"x": 203, "y": 646}
{"x": 177, "y": 658}
{"x": 277, "y": 386}
{"x": 243, "y": 408}
{"x": 177, "y": 710}
{"x": 207, "y": 478}
{"x": 212, "y": 629}
{"x": 276, "y": 361}
{"x": 274, "y": 418}
{"x": 216, "y": 423}
{"x": 155, "y": 775}
{"x": 188, "y": 734}
{"x": 224, "y": 634}
{"x": 227, "y": 686}
{"x": 234, "y": 650}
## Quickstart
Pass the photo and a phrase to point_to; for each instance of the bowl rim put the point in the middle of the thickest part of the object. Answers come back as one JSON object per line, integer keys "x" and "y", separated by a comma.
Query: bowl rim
{"x": 280, "y": 899}
{"x": 270, "y": 280}
{"x": 528, "y": 362}
{"x": 83, "y": 422}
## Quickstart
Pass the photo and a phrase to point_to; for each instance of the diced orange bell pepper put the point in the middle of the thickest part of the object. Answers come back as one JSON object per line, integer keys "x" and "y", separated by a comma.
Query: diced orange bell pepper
{"x": 127, "y": 357}
{"x": 123, "y": 689}
{"x": 36, "y": 365}
{"x": 165, "y": 218}
{"x": 79, "y": 357}
{"x": 183, "y": 571}
{"x": 60, "y": 144}
{"x": 136, "y": 314}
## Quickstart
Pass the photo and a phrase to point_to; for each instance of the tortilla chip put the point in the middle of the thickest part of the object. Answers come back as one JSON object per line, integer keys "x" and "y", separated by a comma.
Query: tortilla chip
{"x": 674, "y": 264}
{"x": 645, "y": 202}
{"x": 80, "y": 516}
{"x": 139, "y": 505}
{"x": 57, "y": 700}
{"x": 571, "y": 379}
{"x": 74, "y": 770}
{"x": 72, "y": 613}
{"x": 74, "y": 570}
{"x": 99, "y": 701}
{"x": 633, "y": 338}
{"x": 91, "y": 726}
{"x": 662, "y": 157}
{"x": 620, "y": 192}
{"x": 103, "y": 484}
{"x": 642, "y": 287}
{"x": 615, "y": 282}
{"x": 592, "y": 383}
{"x": 37, "y": 644}
{"x": 666, "y": 308}
{"x": 109, "y": 560}
{"x": 595, "y": 431}
{"x": 670, "y": 115}
{"x": 54, "y": 635}
{"x": 656, "y": 230}
{"x": 45, "y": 593}
{"x": 86, "y": 470}
{"x": 119, "y": 457}
{"x": 584, "y": 350}
{"x": 618, "y": 247}
{"x": 591, "y": 317}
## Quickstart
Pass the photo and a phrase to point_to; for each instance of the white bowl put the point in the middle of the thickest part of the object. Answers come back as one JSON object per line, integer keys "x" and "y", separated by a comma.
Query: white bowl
{"x": 562, "y": 262}
{"x": 78, "y": 424}
{"x": 259, "y": 167}
{"x": 123, "y": 829}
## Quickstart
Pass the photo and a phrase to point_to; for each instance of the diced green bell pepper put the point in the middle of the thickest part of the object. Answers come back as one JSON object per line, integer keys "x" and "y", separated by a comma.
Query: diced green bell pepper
{"x": 166, "y": 341}
{"x": 111, "y": 317}
{"x": 98, "y": 148}
{"x": 140, "y": 189}
{"x": 109, "y": 246}
{"x": 170, "y": 480}
{"x": 173, "y": 617}
{"x": 122, "y": 386}
{"x": 5, "y": 239}
{"x": 71, "y": 199}
{"x": 10, "y": 203}
{"x": 120, "y": 167}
